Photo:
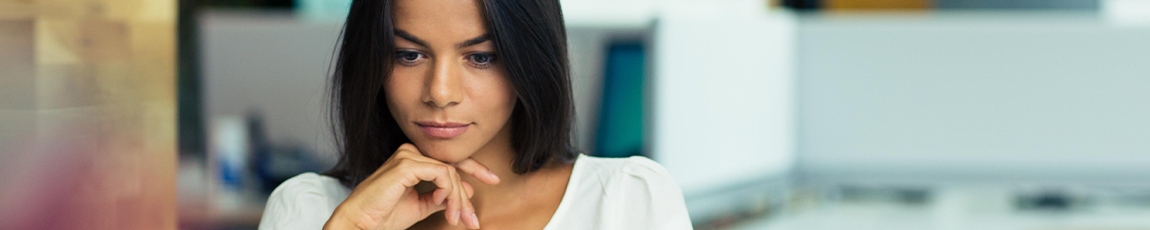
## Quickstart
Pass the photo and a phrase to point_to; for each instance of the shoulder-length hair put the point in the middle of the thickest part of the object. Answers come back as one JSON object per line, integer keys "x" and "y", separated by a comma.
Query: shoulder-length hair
{"x": 530, "y": 40}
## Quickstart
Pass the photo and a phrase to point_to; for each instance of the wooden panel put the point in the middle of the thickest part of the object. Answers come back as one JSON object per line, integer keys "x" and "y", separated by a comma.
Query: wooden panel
{"x": 17, "y": 64}
{"x": 87, "y": 95}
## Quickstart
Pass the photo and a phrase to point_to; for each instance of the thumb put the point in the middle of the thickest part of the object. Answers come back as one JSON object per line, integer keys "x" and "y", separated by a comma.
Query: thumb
{"x": 428, "y": 205}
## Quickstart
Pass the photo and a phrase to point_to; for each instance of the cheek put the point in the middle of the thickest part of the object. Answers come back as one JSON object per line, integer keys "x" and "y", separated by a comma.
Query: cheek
{"x": 400, "y": 92}
{"x": 500, "y": 99}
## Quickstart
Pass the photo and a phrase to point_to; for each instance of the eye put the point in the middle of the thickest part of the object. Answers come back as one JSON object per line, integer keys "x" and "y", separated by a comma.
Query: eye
{"x": 481, "y": 60}
{"x": 408, "y": 57}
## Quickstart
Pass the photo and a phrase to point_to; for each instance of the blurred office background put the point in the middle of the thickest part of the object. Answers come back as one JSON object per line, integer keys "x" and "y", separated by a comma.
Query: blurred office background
{"x": 786, "y": 114}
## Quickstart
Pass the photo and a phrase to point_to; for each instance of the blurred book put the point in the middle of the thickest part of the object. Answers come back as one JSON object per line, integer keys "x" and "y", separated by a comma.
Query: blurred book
{"x": 620, "y": 132}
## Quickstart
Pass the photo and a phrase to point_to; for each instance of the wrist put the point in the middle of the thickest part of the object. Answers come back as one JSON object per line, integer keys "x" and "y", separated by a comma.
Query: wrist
{"x": 337, "y": 222}
{"x": 346, "y": 217}
{"x": 343, "y": 219}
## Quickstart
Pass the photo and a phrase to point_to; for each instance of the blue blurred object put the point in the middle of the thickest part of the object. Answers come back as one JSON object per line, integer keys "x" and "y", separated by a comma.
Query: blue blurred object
{"x": 620, "y": 131}
{"x": 323, "y": 10}
{"x": 273, "y": 163}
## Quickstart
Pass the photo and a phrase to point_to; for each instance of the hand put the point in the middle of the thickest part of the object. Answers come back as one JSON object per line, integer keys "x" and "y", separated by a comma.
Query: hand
{"x": 388, "y": 199}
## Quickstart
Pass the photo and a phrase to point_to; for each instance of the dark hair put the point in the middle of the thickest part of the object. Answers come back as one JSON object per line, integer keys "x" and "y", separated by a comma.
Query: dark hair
{"x": 530, "y": 40}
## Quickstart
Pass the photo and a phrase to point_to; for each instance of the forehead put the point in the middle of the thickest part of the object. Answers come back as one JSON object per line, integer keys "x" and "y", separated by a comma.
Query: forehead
{"x": 440, "y": 20}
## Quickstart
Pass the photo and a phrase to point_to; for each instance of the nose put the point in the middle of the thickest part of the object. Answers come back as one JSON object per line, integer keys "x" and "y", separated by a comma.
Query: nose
{"x": 444, "y": 88}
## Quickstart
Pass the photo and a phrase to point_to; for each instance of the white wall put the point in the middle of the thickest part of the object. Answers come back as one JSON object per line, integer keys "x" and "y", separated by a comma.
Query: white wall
{"x": 723, "y": 91}
{"x": 1006, "y": 97}
{"x": 273, "y": 63}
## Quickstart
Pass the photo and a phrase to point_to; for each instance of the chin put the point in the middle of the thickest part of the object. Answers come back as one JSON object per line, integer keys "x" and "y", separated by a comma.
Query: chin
{"x": 444, "y": 150}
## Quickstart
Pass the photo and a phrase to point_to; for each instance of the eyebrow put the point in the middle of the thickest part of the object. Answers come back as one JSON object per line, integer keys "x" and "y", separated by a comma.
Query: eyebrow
{"x": 474, "y": 41}
{"x": 469, "y": 42}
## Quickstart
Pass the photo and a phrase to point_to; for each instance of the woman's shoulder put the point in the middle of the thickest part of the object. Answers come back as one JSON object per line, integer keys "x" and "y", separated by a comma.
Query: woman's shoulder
{"x": 636, "y": 187}
{"x": 303, "y": 202}
{"x": 308, "y": 187}
{"x": 311, "y": 182}
{"x": 628, "y": 178}
{"x": 628, "y": 169}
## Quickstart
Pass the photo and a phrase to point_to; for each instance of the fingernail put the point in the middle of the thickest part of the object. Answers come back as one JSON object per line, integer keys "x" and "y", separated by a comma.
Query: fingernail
{"x": 492, "y": 175}
{"x": 475, "y": 220}
{"x": 453, "y": 217}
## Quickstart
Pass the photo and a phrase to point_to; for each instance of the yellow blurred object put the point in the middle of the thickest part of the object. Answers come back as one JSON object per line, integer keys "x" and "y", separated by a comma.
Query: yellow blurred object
{"x": 88, "y": 114}
{"x": 877, "y": 4}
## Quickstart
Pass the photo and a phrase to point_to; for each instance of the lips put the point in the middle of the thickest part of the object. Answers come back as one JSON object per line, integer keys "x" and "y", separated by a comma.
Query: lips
{"x": 443, "y": 130}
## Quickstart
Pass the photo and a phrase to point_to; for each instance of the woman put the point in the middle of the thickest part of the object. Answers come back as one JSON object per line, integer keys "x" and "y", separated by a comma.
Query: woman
{"x": 456, "y": 114}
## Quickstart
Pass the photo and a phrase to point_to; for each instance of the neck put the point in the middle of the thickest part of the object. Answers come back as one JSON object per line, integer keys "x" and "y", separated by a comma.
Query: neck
{"x": 497, "y": 155}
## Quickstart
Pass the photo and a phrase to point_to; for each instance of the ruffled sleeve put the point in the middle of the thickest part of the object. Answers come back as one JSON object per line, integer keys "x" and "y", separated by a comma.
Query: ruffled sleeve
{"x": 303, "y": 202}
{"x": 646, "y": 197}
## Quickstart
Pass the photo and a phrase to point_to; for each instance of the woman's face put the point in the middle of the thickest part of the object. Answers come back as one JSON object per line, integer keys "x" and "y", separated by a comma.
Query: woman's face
{"x": 446, "y": 89}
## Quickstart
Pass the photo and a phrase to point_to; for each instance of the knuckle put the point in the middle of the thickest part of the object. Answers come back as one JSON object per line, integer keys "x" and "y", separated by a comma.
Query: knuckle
{"x": 407, "y": 146}
{"x": 404, "y": 163}
{"x": 442, "y": 171}
{"x": 402, "y": 152}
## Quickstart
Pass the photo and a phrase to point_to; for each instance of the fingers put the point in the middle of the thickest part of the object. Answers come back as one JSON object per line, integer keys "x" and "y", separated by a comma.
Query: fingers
{"x": 470, "y": 191}
{"x": 470, "y": 220}
{"x": 461, "y": 210}
{"x": 455, "y": 204}
{"x": 467, "y": 215}
{"x": 439, "y": 195}
{"x": 449, "y": 192}
{"x": 407, "y": 152}
{"x": 452, "y": 193}
{"x": 474, "y": 168}
{"x": 438, "y": 174}
{"x": 429, "y": 205}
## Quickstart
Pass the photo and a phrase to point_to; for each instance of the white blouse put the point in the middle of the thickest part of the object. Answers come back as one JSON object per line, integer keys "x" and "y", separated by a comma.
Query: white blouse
{"x": 603, "y": 193}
